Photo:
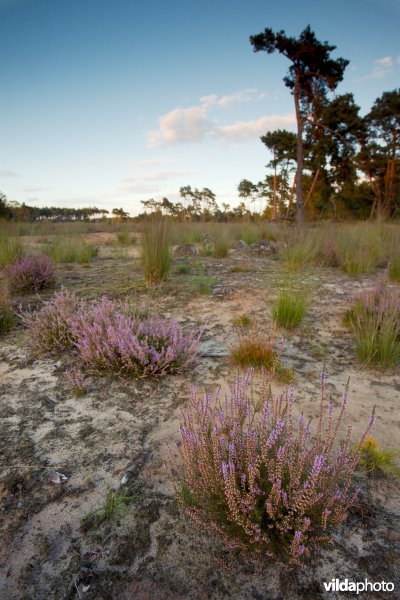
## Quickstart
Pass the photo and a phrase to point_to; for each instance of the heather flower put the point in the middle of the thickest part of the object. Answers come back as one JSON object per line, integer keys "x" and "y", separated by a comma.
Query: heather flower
{"x": 31, "y": 273}
{"x": 50, "y": 327}
{"x": 257, "y": 477}
{"x": 77, "y": 381}
{"x": 108, "y": 335}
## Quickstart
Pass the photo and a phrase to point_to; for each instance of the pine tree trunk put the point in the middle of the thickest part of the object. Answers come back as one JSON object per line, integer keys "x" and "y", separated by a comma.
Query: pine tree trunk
{"x": 300, "y": 157}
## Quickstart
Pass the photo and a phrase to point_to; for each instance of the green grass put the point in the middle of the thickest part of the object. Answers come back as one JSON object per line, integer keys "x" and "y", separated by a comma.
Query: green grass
{"x": 298, "y": 254}
{"x": 202, "y": 282}
{"x": 184, "y": 267}
{"x": 378, "y": 461}
{"x": 155, "y": 255}
{"x": 115, "y": 504}
{"x": 11, "y": 249}
{"x": 376, "y": 338}
{"x": 291, "y": 305}
{"x": 221, "y": 247}
{"x": 394, "y": 268}
{"x": 242, "y": 321}
{"x": 249, "y": 235}
{"x": 67, "y": 250}
{"x": 7, "y": 317}
{"x": 124, "y": 238}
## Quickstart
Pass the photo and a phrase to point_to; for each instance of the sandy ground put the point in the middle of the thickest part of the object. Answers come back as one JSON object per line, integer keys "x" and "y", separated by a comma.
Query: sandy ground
{"x": 121, "y": 428}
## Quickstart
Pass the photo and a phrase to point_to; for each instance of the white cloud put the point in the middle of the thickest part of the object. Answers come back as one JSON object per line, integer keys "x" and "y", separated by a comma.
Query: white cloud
{"x": 193, "y": 124}
{"x": 228, "y": 100}
{"x": 7, "y": 173}
{"x": 382, "y": 67}
{"x": 248, "y": 130}
{"x": 386, "y": 61}
{"x": 181, "y": 125}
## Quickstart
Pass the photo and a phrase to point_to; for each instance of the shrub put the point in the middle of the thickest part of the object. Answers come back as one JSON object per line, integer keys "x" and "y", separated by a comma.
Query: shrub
{"x": 291, "y": 305}
{"x": 156, "y": 249}
{"x": 255, "y": 475}
{"x": 31, "y": 274}
{"x": 7, "y": 318}
{"x": 378, "y": 461}
{"x": 376, "y": 326}
{"x": 50, "y": 326}
{"x": 108, "y": 335}
{"x": 11, "y": 249}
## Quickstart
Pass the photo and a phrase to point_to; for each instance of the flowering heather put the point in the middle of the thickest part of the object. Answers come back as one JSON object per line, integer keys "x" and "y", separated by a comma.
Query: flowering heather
{"x": 31, "y": 273}
{"x": 259, "y": 478}
{"x": 376, "y": 324}
{"x": 50, "y": 326}
{"x": 110, "y": 338}
{"x": 77, "y": 381}
{"x": 109, "y": 335}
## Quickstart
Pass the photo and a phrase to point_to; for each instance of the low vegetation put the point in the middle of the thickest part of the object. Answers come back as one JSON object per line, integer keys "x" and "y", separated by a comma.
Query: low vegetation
{"x": 31, "y": 274}
{"x": 262, "y": 481}
{"x": 156, "y": 243}
{"x": 7, "y": 317}
{"x": 291, "y": 305}
{"x": 375, "y": 320}
{"x": 376, "y": 461}
{"x": 69, "y": 250}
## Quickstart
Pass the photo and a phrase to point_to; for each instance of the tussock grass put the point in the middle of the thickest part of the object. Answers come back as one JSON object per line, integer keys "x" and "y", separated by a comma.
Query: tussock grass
{"x": 7, "y": 317}
{"x": 377, "y": 461}
{"x": 115, "y": 503}
{"x": 292, "y": 303}
{"x": 11, "y": 248}
{"x": 155, "y": 254}
{"x": 252, "y": 349}
{"x": 299, "y": 253}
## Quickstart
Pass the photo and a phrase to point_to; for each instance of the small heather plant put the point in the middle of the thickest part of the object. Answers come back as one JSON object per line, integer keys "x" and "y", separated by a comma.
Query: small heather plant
{"x": 156, "y": 249}
{"x": 292, "y": 303}
{"x": 375, "y": 320}
{"x": 7, "y": 318}
{"x": 377, "y": 461}
{"x": 50, "y": 326}
{"x": 31, "y": 274}
{"x": 259, "y": 478}
{"x": 77, "y": 381}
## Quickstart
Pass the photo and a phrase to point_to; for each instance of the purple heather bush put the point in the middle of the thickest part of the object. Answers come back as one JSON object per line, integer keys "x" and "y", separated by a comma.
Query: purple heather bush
{"x": 109, "y": 335}
{"x": 50, "y": 326}
{"x": 31, "y": 273}
{"x": 260, "y": 478}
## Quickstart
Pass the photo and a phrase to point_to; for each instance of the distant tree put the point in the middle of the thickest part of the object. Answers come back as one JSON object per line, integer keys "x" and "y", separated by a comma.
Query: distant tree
{"x": 120, "y": 214}
{"x": 282, "y": 144}
{"x": 311, "y": 75}
{"x": 4, "y": 207}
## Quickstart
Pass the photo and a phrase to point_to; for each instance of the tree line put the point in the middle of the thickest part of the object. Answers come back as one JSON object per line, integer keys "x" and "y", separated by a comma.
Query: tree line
{"x": 338, "y": 164}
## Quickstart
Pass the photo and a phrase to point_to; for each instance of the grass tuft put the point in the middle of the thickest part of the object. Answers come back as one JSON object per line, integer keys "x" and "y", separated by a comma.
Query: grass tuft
{"x": 156, "y": 249}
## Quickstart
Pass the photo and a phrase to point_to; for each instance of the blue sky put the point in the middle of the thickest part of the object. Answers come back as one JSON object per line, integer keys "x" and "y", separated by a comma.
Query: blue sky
{"x": 109, "y": 102}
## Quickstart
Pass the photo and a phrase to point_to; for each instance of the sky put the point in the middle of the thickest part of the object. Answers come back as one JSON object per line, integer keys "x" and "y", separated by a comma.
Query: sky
{"x": 109, "y": 102}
